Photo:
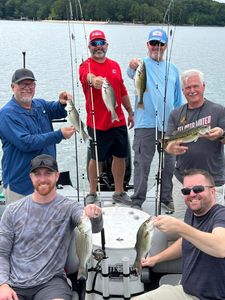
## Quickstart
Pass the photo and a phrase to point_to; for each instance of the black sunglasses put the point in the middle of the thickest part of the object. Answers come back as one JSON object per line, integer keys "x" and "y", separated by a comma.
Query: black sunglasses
{"x": 156, "y": 43}
{"x": 196, "y": 189}
{"x": 96, "y": 43}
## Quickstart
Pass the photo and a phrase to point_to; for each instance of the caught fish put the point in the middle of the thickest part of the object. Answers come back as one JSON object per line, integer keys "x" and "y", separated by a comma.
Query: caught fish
{"x": 109, "y": 99}
{"x": 140, "y": 83}
{"x": 75, "y": 120}
{"x": 188, "y": 135}
{"x": 83, "y": 245}
{"x": 143, "y": 242}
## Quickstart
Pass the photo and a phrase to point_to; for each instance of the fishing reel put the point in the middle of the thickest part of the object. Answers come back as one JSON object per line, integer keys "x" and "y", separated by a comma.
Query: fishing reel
{"x": 99, "y": 254}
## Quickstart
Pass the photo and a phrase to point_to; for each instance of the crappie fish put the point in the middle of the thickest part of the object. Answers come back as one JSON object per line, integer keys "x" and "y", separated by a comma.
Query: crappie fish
{"x": 109, "y": 99}
{"x": 83, "y": 245}
{"x": 187, "y": 135}
{"x": 140, "y": 83}
{"x": 75, "y": 120}
{"x": 143, "y": 242}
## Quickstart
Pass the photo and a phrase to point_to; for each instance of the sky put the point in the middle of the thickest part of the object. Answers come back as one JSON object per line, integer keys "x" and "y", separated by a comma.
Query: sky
{"x": 222, "y": 1}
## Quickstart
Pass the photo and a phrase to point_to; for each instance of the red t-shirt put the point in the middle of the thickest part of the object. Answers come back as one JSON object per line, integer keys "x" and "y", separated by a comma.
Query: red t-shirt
{"x": 111, "y": 70}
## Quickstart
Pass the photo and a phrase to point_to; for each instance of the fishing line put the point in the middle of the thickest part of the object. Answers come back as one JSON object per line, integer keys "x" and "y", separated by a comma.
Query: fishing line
{"x": 158, "y": 193}
{"x": 71, "y": 37}
{"x": 94, "y": 126}
{"x": 92, "y": 109}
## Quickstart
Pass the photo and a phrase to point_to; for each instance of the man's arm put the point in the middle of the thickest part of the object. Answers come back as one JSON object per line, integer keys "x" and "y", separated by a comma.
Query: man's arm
{"x": 212, "y": 243}
{"x": 174, "y": 251}
{"x": 127, "y": 105}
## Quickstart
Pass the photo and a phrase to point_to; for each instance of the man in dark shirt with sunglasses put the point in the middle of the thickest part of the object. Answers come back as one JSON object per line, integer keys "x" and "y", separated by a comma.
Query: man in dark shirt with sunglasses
{"x": 207, "y": 152}
{"x": 201, "y": 243}
{"x": 161, "y": 96}
{"x": 105, "y": 95}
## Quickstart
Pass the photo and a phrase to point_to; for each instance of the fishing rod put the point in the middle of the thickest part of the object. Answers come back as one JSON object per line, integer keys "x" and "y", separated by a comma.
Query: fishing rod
{"x": 159, "y": 175}
{"x": 24, "y": 59}
{"x": 94, "y": 126}
{"x": 92, "y": 108}
{"x": 71, "y": 38}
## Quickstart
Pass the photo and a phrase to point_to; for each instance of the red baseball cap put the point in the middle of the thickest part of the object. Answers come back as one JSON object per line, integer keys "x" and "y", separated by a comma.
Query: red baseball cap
{"x": 97, "y": 34}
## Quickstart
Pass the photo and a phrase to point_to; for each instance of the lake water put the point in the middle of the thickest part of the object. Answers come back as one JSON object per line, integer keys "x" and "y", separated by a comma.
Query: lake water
{"x": 48, "y": 54}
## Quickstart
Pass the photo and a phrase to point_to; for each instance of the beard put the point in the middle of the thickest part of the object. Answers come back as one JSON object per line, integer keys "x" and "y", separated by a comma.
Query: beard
{"x": 45, "y": 189}
{"x": 26, "y": 100}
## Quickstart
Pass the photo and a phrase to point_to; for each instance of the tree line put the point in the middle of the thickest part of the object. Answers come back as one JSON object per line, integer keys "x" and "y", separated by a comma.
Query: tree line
{"x": 177, "y": 12}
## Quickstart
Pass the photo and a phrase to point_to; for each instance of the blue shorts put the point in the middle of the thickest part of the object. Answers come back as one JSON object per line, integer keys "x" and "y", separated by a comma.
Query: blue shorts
{"x": 112, "y": 142}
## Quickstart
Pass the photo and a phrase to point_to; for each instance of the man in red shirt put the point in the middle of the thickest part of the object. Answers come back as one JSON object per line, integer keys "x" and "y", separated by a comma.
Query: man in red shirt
{"x": 105, "y": 95}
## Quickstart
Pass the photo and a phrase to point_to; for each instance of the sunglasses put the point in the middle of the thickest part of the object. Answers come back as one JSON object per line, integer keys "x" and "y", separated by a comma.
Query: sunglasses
{"x": 97, "y": 43}
{"x": 156, "y": 43}
{"x": 196, "y": 189}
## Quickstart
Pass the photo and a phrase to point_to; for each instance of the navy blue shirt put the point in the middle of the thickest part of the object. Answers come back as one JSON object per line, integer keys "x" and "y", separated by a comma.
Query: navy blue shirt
{"x": 26, "y": 133}
{"x": 203, "y": 275}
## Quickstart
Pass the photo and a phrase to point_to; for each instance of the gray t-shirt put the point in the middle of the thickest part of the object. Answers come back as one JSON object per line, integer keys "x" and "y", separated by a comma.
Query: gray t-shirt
{"x": 34, "y": 240}
{"x": 202, "y": 154}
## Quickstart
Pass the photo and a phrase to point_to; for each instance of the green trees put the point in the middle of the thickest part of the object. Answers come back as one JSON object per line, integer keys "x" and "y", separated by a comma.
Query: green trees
{"x": 182, "y": 12}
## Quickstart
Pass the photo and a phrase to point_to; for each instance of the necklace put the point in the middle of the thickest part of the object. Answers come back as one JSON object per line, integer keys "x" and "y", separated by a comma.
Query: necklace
{"x": 183, "y": 117}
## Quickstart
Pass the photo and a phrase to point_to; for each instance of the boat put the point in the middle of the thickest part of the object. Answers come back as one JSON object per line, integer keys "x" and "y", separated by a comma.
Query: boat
{"x": 110, "y": 272}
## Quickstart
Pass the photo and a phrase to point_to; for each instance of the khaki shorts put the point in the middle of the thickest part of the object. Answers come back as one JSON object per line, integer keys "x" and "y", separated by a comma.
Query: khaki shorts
{"x": 166, "y": 292}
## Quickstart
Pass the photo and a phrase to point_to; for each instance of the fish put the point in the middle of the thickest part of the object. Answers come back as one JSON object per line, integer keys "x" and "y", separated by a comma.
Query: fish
{"x": 75, "y": 120}
{"x": 140, "y": 83}
{"x": 108, "y": 96}
{"x": 83, "y": 246}
{"x": 188, "y": 135}
{"x": 143, "y": 242}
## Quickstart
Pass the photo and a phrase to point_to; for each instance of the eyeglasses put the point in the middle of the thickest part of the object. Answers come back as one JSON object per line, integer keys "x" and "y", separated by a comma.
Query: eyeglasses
{"x": 96, "y": 43}
{"x": 196, "y": 189}
{"x": 156, "y": 43}
{"x": 23, "y": 85}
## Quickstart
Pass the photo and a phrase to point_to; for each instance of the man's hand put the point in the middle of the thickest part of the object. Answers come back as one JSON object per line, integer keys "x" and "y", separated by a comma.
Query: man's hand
{"x": 64, "y": 97}
{"x": 92, "y": 211}
{"x": 133, "y": 64}
{"x": 7, "y": 293}
{"x": 130, "y": 120}
{"x": 176, "y": 147}
{"x": 168, "y": 224}
{"x": 214, "y": 133}
{"x": 67, "y": 132}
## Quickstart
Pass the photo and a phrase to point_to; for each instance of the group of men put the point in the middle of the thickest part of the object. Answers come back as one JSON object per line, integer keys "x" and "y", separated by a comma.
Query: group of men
{"x": 27, "y": 136}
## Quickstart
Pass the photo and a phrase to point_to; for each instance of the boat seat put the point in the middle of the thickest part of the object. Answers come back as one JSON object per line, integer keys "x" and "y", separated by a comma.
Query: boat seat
{"x": 160, "y": 242}
{"x": 168, "y": 272}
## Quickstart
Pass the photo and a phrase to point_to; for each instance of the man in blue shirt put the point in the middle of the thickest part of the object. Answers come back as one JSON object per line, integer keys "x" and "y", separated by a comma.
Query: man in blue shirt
{"x": 161, "y": 96}
{"x": 26, "y": 131}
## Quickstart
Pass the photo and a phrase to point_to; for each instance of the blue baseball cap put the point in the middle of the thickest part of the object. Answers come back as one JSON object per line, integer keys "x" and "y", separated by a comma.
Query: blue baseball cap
{"x": 158, "y": 35}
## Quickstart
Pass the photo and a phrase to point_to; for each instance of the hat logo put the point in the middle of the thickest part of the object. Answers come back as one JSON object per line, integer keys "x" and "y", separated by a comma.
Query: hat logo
{"x": 157, "y": 33}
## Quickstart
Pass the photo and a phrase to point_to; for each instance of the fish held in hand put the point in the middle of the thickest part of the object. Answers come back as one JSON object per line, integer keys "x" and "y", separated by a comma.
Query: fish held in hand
{"x": 140, "y": 83}
{"x": 143, "y": 242}
{"x": 75, "y": 120}
{"x": 187, "y": 135}
{"x": 83, "y": 245}
{"x": 109, "y": 98}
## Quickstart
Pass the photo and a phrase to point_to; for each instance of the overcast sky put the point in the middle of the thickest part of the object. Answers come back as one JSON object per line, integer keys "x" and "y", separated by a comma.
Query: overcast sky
{"x": 222, "y": 1}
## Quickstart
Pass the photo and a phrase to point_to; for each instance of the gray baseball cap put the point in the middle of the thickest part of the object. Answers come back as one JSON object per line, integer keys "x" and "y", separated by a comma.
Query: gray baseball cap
{"x": 22, "y": 74}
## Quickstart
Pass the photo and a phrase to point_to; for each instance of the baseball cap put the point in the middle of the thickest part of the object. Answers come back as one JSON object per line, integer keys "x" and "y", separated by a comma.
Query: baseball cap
{"x": 97, "y": 34}
{"x": 44, "y": 161}
{"x": 22, "y": 74}
{"x": 158, "y": 35}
